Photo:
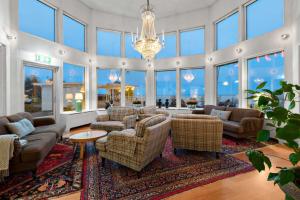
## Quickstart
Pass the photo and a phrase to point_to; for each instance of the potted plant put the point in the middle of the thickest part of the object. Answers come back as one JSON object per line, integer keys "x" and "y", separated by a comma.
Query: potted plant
{"x": 192, "y": 103}
{"x": 287, "y": 126}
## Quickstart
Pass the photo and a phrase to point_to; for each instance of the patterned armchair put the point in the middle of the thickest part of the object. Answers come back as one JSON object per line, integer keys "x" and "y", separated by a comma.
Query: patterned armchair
{"x": 150, "y": 111}
{"x": 116, "y": 119}
{"x": 197, "y": 132}
{"x": 136, "y": 148}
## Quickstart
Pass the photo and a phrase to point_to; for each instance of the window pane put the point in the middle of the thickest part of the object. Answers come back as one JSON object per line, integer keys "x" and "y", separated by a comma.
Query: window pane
{"x": 130, "y": 52}
{"x": 192, "y": 87}
{"x": 74, "y": 87}
{"x": 192, "y": 42}
{"x": 269, "y": 68}
{"x": 38, "y": 91}
{"x": 166, "y": 87}
{"x": 109, "y": 43}
{"x": 37, "y": 19}
{"x": 74, "y": 33}
{"x": 135, "y": 87}
{"x": 108, "y": 87}
{"x": 264, "y": 16}
{"x": 228, "y": 31}
{"x": 169, "y": 50}
{"x": 228, "y": 85}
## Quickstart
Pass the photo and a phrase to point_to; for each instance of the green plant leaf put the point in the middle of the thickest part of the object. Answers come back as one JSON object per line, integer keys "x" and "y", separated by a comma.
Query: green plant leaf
{"x": 263, "y": 101}
{"x": 287, "y": 197}
{"x": 288, "y": 132}
{"x": 297, "y": 87}
{"x": 286, "y": 176}
{"x": 278, "y": 92}
{"x": 280, "y": 114}
{"x": 262, "y": 85}
{"x": 291, "y": 96}
{"x": 272, "y": 176}
{"x": 268, "y": 162}
{"x": 294, "y": 158}
{"x": 263, "y": 136}
{"x": 258, "y": 159}
{"x": 292, "y": 144}
{"x": 251, "y": 97}
{"x": 292, "y": 105}
{"x": 251, "y": 91}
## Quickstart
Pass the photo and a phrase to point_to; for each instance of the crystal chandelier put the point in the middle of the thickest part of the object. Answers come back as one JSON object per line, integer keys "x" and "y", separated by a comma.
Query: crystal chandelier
{"x": 189, "y": 77}
{"x": 148, "y": 43}
{"x": 113, "y": 77}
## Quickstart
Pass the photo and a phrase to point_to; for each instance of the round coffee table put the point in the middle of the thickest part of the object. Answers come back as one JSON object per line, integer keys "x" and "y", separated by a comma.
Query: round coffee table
{"x": 85, "y": 137}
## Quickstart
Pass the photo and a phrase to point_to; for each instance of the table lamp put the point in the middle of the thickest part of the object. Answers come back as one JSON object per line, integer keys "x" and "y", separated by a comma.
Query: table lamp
{"x": 78, "y": 98}
{"x": 69, "y": 97}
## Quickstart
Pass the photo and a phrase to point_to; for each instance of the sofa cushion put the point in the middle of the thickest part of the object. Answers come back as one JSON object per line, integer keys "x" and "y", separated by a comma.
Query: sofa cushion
{"x": 237, "y": 114}
{"x": 148, "y": 110}
{"x": 118, "y": 113}
{"x": 39, "y": 145}
{"x": 3, "y": 122}
{"x": 193, "y": 116}
{"x": 108, "y": 126}
{"x": 59, "y": 129}
{"x": 150, "y": 121}
{"x": 19, "y": 116}
{"x": 223, "y": 115}
{"x": 21, "y": 128}
{"x": 232, "y": 126}
{"x": 208, "y": 108}
{"x": 101, "y": 144}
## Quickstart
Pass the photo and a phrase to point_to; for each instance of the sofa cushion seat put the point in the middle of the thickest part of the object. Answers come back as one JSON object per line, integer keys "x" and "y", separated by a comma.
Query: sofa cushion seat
{"x": 232, "y": 126}
{"x": 58, "y": 129}
{"x": 108, "y": 126}
{"x": 38, "y": 147}
{"x": 101, "y": 144}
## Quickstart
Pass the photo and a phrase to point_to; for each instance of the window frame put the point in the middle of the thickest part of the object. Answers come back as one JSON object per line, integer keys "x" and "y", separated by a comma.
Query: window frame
{"x": 187, "y": 30}
{"x": 114, "y": 31}
{"x": 80, "y": 22}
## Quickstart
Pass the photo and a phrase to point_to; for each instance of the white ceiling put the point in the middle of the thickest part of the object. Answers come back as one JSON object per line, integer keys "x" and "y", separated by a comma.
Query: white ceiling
{"x": 163, "y": 8}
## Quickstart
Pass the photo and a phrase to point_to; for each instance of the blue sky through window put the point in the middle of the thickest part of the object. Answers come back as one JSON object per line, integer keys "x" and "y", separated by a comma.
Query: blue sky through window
{"x": 192, "y": 42}
{"x": 264, "y": 16}
{"x": 73, "y": 73}
{"x": 103, "y": 78}
{"x": 109, "y": 43}
{"x": 74, "y": 33}
{"x": 166, "y": 85}
{"x": 37, "y": 19}
{"x": 227, "y": 31}
{"x": 170, "y": 47}
{"x": 130, "y": 52}
{"x": 138, "y": 80}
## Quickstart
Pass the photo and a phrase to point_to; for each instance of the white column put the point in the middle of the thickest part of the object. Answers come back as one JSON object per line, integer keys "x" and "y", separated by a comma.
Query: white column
{"x": 178, "y": 93}
{"x": 123, "y": 88}
{"x": 210, "y": 85}
{"x": 59, "y": 29}
{"x": 150, "y": 88}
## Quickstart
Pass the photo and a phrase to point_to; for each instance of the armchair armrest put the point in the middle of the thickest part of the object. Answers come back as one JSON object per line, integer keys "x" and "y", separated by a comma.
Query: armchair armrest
{"x": 43, "y": 121}
{"x": 129, "y": 121}
{"x": 102, "y": 118}
{"x": 252, "y": 124}
{"x": 166, "y": 113}
{"x": 122, "y": 142}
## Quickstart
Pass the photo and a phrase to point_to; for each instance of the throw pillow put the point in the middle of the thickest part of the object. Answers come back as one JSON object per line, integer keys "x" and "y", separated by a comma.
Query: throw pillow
{"x": 21, "y": 128}
{"x": 223, "y": 115}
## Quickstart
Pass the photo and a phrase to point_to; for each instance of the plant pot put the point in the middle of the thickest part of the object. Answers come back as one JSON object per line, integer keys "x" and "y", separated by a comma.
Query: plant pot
{"x": 291, "y": 190}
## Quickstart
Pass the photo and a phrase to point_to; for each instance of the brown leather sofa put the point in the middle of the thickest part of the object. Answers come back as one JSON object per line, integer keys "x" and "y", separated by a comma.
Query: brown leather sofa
{"x": 242, "y": 122}
{"x": 40, "y": 142}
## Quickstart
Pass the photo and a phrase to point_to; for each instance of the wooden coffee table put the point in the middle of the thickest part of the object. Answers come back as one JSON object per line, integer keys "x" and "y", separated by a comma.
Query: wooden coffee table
{"x": 85, "y": 137}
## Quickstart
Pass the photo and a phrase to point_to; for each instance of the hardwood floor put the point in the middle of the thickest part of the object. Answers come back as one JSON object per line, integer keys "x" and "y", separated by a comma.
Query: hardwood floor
{"x": 248, "y": 186}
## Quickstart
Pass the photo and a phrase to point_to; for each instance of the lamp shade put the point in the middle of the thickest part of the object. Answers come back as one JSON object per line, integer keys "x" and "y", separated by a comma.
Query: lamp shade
{"x": 69, "y": 96}
{"x": 79, "y": 96}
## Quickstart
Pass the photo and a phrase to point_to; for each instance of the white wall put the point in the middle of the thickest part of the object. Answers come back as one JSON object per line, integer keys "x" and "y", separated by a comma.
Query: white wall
{"x": 26, "y": 46}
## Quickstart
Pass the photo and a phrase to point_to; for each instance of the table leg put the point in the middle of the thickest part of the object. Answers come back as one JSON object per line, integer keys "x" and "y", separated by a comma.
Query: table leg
{"x": 82, "y": 147}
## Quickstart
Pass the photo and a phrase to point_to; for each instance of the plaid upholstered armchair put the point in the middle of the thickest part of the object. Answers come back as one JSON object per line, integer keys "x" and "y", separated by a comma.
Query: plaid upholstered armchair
{"x": 116, "y": 119}
{"x": 150, "y": 111}
{"x": 197, "y": 132}
{"x": 136, "y": 148}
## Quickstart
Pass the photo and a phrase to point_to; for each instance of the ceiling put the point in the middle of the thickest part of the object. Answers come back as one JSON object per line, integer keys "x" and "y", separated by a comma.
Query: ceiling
{"x": 163, "y": 8}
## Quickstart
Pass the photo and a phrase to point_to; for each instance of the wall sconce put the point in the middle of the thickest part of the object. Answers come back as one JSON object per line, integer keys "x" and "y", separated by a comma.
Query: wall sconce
{"x": 238, "y": 50}
{"x": 11, "y": 37}
{"x": 285, "y": 36}
{"x": 123, "y": 63}
{"x": 61, "y": 52}
{"x": 209, "y": 59}
{"x": 177, "y": 63}
{"x": 90, "y": 60}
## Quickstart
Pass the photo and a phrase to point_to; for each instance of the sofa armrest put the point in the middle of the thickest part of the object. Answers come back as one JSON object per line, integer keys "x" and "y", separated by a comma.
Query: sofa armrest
{"x": 166, "y": 113}
{"x": 252, "y": 124}
{"x": 43, "y": 121}
{"x": 129, "y": 121}
{"x": 102, "y": 118}
{"x": 123, "y": 142}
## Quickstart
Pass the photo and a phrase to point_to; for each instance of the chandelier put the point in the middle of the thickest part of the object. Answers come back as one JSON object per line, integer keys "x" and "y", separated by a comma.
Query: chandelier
{"x": 148, "y": 43}
{"x": 113, "y": 77}
{"x": 189, "y": 77}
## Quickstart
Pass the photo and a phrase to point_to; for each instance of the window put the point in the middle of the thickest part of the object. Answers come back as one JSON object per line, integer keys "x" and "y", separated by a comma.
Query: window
{"x": 109, "y": 43}
{"x": 37, "y": 19}
{"x": 108, "y": 87}
{"x": 74, "y": 87}
{"x": 227, "y": 85}
{"x": 166, "y": 87}
{"x": 227, "y": 31}
{"x": 38, "y": 91}
{"x": 74, "y": 33}
{"x": 264, "y": 16}
{"x": 135, "y": 90}
{"x": 192, "y": 42}
{"x": 169, "y": 50}
{"x": 268, "y": 68}
{"x": 192, "y": 87}
{"x": 130, "y": 52}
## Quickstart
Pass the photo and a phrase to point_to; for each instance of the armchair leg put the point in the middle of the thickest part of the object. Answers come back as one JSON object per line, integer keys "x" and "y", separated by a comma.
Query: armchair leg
{"x": 175, "y": 151}
{"x": 217, "y": 155}
{"x": 34, "y": 174}
{"x": 102, "y": 162}
{"x": 160, "y": 155}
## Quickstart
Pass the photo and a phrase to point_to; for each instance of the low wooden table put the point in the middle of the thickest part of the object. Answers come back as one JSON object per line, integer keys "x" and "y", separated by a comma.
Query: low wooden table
{"x": 85, "y": 137}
